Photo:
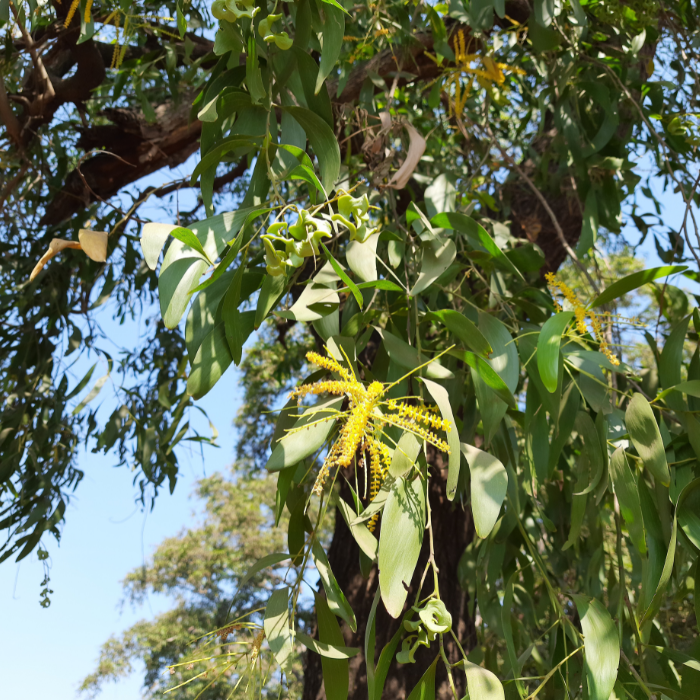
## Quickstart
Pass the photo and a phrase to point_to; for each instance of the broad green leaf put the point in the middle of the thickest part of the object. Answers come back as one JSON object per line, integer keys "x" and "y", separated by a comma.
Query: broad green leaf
{"x": 314, "y": 303}
{"x": 211, "y": 361}
{"x": 478, "y": 237}
{"x": 601, "y": 647}
{"x": 362, "y": 258}
{"x": 330, "y": 651}
{"x": 489, "y": 484}
{"x": 425, "y": 690}
{"x": 442, "y": 399}
{"x": 323, "y": 142}
{"x": 588, "y": 433}
{"x": 405, "y": 455}
{"x": 548, "y": 348}
{"x": 308, "y": 435}
{"x": 482, "y": 684}
{"x": 364, "y": 538}
{"x": 276, "y": 625}
{"x": 688, "y": 512}
{"x": 678, "y": 657}
{"x": 263, "y": 563}
{"x": 625, "y": 486}
{"x": 337, "y": 601}
{"x": 634, "y": 281}
{"x": 438, "y": 255}
{"x": 271, "y": 291}
{"x": 182, "y": 267}
{"x": 202, "y": 316}
{"x": 646, "y": 438}
{"x": 504, "y": 362}
{"x": 408, "y": 357}
{"x": 378, "y": 502}
{"x": 153, "y": 238}
{"x": 335, "y": 671}
{"x": 464, "y": 330}
{"x": 333, "y": 31}
{"x": 232, "y": 316}
{"x": 343, "y": 276}
{"x": 403, "y": 524}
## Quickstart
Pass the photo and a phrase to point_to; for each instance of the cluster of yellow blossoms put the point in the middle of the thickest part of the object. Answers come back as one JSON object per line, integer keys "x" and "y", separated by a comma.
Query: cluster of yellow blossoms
{"x": 363, "y": 426}
{"x": 581, "y": 314}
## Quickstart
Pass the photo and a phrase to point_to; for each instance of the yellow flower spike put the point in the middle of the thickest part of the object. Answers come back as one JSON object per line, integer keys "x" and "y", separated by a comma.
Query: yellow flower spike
{"x": 71, "y": 13}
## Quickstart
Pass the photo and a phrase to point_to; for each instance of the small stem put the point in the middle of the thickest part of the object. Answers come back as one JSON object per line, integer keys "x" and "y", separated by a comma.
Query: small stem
{"x": 448, "y": 667}
{"x": 637, "y": 677}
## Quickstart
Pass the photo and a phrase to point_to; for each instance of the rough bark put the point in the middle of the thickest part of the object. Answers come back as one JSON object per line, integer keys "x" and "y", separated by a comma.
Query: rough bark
{"x": 453, "y": 531}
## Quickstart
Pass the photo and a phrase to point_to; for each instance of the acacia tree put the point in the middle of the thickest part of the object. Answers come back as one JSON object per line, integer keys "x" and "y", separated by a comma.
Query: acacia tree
{"x": 510, "y": 501}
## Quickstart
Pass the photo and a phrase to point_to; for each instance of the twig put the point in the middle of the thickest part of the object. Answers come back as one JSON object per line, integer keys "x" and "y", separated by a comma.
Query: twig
{"x": 36, "y": 58}
{"x": 7, "y": 190}
{"x": 8, "y": 118}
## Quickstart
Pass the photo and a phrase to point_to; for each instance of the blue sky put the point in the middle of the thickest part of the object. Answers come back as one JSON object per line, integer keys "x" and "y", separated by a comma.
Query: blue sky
{"x": 46, "y": 652}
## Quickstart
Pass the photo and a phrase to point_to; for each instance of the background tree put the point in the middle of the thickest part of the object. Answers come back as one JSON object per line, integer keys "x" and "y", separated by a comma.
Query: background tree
{"x": 493, "y": 140}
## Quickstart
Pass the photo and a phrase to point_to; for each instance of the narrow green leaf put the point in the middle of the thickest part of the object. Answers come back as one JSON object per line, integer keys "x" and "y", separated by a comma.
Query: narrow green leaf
{"x": 625, "y": 486}
{"x": 425, "y": 689}
{"x": 82, "y": 383}
{"x": 333, "y": 31}
{"x": 655, "y": 604}
{"x": 189, "y": 239}
{"x": 548, "y": 348}
{"x": 464, "y": 330}
{"x": 691, "y": 388}
{"x": 310, "y": 432}
{"x": 216, "y": 154}
{"x": 646, "y": 438}
{"x": 335, "y": 671}
{"x": 489, "y": 484}
{"x": 487, "y": 374}
{"x": 364, "y": 538}
{"x": 276, "y": 626}
{"x": 587, "y": 430}
{"x": 337, "y": 602}
{"x": 634, "y": 281}
{"x": 403, "y": 524}
{"x": 370, "y": 644}
{"x": 688, "y": 512}
{"x": 442, "y": 399}
{"x": 601, "y": 647}
{"x": 96, "y": 389}
{"x": 343, "y": 276}
{"x": 507, "y": 622}
{"x": 232, "y": 316}
{"x": 330, "y": 651}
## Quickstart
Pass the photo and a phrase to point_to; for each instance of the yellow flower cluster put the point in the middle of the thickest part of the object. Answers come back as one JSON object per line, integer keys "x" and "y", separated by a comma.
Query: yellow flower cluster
{"x": 380, "y": 460}
{"x": 362, "y": 426}
{"x": 581, "y": 314}
{"x": 422, "y": 415}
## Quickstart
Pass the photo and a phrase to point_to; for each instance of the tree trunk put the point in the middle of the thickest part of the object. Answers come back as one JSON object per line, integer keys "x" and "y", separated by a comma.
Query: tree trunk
{"x": 453, "y": 530}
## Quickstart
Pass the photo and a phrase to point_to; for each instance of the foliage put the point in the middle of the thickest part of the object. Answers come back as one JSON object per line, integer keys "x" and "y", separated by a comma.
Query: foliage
{"x": 461, "y": 153}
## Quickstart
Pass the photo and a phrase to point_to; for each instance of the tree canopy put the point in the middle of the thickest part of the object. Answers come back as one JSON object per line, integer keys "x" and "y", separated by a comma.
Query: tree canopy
{"x": 410, "y": 226}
